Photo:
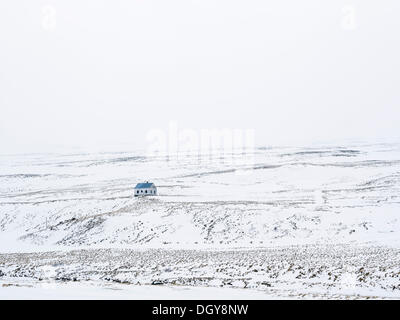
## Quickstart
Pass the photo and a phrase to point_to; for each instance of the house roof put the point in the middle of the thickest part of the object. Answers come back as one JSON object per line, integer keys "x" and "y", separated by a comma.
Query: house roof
{"x": 144, "y": 185}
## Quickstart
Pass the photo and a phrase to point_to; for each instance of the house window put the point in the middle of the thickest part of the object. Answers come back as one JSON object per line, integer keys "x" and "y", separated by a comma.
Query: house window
{"x": 146, "y": 191}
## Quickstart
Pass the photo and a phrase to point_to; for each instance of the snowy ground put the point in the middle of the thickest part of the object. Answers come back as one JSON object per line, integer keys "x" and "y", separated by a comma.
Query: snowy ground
{"x": 299, "y": 271}
{"x": 293, "y": 221}
{"x": 28, "y": 289}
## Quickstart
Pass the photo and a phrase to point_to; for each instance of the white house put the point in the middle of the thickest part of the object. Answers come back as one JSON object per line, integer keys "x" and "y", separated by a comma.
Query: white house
{"x": 145, "y": 189}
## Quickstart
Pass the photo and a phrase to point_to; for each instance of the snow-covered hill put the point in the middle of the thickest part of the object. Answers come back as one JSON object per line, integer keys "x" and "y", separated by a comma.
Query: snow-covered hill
{"x": 291, "y": 222}
{"x": 286, "y": 196}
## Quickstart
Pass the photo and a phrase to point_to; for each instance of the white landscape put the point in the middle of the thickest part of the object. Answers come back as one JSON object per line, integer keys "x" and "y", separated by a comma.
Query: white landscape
{"x": 297, "y": 223}
{"x": 270, "y": 130}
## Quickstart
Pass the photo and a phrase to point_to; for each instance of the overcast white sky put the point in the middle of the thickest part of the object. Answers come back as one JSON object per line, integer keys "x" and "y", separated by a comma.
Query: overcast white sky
{"x": 85, "y": 73}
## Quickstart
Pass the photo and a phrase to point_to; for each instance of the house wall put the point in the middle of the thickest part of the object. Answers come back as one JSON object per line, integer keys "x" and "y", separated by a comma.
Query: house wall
{"x": 150, "y": 192}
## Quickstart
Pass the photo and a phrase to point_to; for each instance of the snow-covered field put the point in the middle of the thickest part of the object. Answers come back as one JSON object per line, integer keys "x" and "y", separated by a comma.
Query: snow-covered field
{"x": 292, "y": 222}
{"x": 29, "y": 289}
